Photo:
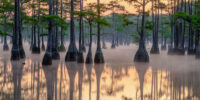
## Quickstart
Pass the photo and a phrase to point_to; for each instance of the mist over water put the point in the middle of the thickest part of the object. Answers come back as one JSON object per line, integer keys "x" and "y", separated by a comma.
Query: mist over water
{"x": 165, "y": 77}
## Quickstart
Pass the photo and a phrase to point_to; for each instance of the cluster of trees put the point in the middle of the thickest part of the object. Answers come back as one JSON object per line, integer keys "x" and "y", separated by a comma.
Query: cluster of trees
{"x": 182, "y": 16}
{"x": 50, "y": 16}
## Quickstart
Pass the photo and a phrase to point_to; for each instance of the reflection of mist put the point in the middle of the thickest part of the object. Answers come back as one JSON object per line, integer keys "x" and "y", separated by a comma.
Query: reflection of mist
{"x": 182, "y": 82}
{"x": 17, "y": 69}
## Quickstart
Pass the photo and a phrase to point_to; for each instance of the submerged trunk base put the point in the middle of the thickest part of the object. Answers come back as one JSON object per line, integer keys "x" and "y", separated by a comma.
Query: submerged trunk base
{"x": 83, "y": 48}
{"x": 99, "y": 56}
{"x": 71, "y": 53}
{"x": 35, "y": 50}
{"x": 43, "y": 47}
{"x": 22, "y": 52}
{"x": 47, "y": 60}
{"x": 191, "y": 51}
{"x": 154, "y": 50}
{"x": 170, "y": 50}
{"x": 180, "y": 51}
{"x": 163, "y": 47}
{"x": 55, "y": 54}
{"x": 80, "y": 57}
{"x": 113, "y": 46}
{"x": 15, "y": 55}
{"x": 141, "y": 55}
{"x": 89, "y": 57}
{"x": 5, "y": 47}
{"x": 197, "y": 55}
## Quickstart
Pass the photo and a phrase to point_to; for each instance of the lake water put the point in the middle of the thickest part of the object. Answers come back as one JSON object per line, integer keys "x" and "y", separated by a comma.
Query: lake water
{"x": 165, "y": 77}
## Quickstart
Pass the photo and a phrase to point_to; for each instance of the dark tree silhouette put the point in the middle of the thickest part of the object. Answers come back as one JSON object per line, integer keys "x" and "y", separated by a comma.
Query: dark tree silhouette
{"x": 99, "y": 58}
{"x": 15, "y": 54}
{"x": 72, "y": 50}
{"x": 141, "y": 54}
{"x": 47, "y": 60}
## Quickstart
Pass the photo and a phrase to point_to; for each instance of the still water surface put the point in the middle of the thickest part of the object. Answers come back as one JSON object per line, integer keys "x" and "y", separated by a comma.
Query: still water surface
{"x": 163, "y": 78}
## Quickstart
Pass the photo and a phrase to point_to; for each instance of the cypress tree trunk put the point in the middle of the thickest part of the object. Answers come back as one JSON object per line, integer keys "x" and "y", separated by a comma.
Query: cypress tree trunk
{"x": 21, "y": 49}
{"x": 155, "y": 48}
{"x": 80, "y": 53}
{"x": 191, "y": 32}
{"x": 113, "y": 34}
{"x": 89, "y": 55}
{"x": 163, "y": 41}
{"x": 5, "y": 45}
{"x": 47, "y": 60}
{"x": 38, "y": 49}
{"x": 43, "y": 46}
{"x": 72, "y": 50}
{"x": 198, "y": 45}
{"x": 55, "y": 53}
{"x": 82, "y": 25}
{"x": 34, "y": 48}
{"x": 142, "y": 55}
{"x": 99, "y": 55}
{"x": 31, "y": 45}
{"x": 62, "y": 46}
{"x": 15, "y": 55}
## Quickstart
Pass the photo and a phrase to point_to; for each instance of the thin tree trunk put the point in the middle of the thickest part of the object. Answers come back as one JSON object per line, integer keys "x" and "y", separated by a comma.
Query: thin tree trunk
{"x": 39, "y": 26}
{"x": 15, "y": 48}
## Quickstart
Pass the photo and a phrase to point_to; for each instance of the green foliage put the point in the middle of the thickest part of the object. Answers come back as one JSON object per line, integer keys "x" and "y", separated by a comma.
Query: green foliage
{"x": 56, "y": 21}
{"x": 136, "y": 38}
{"x": 149, "y": 25}
{"x": 66, "y": 34}
{"x": 61, "y": 47}
{"x": 6, "y": 11}
{"x": 43, "y": 34}
{"x": 103, "y": 21}
{"x": 6, "y": 6}
{"x": 126, "y": 21}
{"x": 1, "y": 33}
{"x": 192, "y": 19}
{"x": 4, "y": 34}
{"x": 120, "y": 28}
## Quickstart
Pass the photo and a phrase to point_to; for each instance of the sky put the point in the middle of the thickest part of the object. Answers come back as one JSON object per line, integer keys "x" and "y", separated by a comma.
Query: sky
{"x": 129, "y": 7}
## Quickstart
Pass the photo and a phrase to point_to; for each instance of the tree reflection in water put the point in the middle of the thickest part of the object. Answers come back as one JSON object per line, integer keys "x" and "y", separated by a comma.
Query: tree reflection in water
{"x": 89, "y": 72}
{"x": 50, "y": 73}
{"x": 99, "y": 68}
{"x": 141, "y": 69}
{"x": 72, "y": 70}
{"x": 17, "y": 70}
{"x": 150, "y": 82}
